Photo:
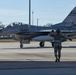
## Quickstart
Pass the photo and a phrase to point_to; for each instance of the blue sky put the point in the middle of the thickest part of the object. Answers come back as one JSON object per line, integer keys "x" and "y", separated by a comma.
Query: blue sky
{"x": 47, "y": 11}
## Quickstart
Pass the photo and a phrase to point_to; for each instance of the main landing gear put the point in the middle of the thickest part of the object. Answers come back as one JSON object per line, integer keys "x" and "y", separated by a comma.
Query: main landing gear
{"x": 52, "y": 43}
{"x": 42, "y": 44}
{"x": 21, "y": 45}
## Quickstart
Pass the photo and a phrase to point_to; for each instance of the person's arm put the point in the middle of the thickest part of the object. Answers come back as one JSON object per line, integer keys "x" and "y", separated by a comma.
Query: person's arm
{"x": 66, "y": 37}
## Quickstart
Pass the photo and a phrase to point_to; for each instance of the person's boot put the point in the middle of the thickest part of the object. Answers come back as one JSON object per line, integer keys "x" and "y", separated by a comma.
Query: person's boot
{"x": 56, "y": 60}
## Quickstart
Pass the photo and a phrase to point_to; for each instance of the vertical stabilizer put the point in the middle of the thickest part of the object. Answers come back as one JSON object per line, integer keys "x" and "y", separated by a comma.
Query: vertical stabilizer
{"x": 71, "y": 18}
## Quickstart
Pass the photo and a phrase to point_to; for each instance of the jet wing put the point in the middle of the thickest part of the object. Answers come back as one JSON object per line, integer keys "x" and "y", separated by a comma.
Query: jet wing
{"x": 68, "y": 35}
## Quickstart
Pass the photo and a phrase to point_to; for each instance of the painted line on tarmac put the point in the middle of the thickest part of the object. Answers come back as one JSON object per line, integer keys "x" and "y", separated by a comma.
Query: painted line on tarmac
{"x": 35, "y": 68}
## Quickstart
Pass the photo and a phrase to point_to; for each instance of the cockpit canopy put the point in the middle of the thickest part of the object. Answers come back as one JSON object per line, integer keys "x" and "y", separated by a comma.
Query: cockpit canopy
{"x": 15, "y": 24}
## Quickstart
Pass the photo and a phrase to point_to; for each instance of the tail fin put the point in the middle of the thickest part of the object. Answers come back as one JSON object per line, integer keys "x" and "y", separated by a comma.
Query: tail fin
{"x": 71, "y": 18}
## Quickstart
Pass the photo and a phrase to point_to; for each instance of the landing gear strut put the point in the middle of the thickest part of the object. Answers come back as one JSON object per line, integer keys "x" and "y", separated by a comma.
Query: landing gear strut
{"x": 41, "y": 44}
{"x": 21, "y": 44}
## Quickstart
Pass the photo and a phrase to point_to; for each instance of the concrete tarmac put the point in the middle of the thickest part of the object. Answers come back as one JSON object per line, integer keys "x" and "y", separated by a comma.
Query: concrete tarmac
{"x": 33, "y": 60}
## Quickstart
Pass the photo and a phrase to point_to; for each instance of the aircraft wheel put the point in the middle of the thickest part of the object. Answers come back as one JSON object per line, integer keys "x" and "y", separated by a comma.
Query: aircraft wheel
{"x": 41, "y": 44}
{"x": 52, "y": 44}
{"x": 21, "y": 45}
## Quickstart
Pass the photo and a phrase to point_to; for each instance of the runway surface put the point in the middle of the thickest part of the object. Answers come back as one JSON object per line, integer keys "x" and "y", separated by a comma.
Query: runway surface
{"x": 33, "y": 60}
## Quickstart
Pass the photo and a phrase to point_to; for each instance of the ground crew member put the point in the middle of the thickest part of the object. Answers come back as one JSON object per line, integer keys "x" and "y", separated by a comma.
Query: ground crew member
{"x": 57, "y": 44}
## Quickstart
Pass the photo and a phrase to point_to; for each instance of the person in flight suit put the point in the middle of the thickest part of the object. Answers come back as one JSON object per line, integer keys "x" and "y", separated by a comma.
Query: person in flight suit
{"x": 57, "y": 44}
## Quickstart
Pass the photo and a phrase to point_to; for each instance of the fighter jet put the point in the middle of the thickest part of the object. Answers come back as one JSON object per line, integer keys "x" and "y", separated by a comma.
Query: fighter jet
{"x": 26, "y": 33}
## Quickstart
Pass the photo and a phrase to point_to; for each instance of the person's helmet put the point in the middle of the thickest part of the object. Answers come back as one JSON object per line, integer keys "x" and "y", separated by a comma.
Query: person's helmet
{"x": 58, "y": 30}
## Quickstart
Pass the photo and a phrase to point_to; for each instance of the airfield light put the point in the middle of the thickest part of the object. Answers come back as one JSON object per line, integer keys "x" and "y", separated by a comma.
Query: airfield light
{"x": 32, "y": 17}
{"x": 37, "y": 21}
